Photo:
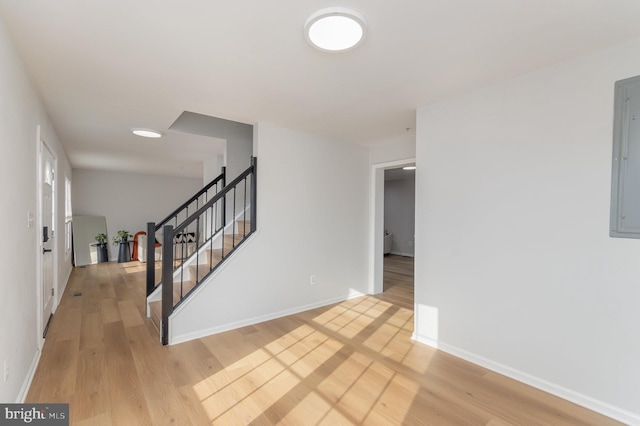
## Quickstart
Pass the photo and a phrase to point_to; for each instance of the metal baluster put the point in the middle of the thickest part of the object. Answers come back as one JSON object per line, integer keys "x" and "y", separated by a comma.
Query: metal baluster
{"x": 180, "y": 261}
{"x": 244, "y": 208}
{"x": 254, "y": 197}
{"x": 222, "y": 225}
{"x": 212, "y": 228}
{"x": 233, "y": 220}
{"x": 197, "y": 280}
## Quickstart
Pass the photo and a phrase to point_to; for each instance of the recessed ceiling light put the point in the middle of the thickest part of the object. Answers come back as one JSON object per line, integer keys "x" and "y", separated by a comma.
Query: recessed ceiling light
{"x": 147, "y": 133}
{"x": 335, "y": 29}
{"x": 409, "y": 168}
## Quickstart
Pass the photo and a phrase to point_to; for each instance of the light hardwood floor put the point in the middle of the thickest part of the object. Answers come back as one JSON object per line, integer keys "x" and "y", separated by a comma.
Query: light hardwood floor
{"x": 349, "y": 363}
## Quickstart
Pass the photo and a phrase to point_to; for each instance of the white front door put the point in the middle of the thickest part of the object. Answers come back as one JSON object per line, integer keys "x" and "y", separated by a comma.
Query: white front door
{"x": 47, "y": 234}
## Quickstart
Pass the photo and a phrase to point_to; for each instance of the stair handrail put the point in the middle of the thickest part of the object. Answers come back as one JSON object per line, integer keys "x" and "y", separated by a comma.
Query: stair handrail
{"x": 228, "y": 188}
{"x": 153, "y": 228}
{"x": 219, "y": 178}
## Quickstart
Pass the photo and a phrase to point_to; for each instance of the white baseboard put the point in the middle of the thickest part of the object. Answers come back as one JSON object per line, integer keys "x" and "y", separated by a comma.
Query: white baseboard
{"x": 66, "y": 280}
{"x": 256, "y": 320}
{"x": 425, "y": 341}
{"x": 608, "y": 410}
{"x": 24, "y": 390}
{"x": 61, "y": 289}
{"x": 397, "y": 253}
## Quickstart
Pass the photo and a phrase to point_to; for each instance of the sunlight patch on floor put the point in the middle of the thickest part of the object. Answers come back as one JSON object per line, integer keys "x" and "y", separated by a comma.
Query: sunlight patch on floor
{"x": 134, "y": 267}
{"x": 310, "y": 375}
{"x": 244, "y": 389}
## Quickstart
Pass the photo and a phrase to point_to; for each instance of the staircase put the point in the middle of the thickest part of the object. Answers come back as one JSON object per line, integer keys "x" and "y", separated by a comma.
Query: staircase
{"x": 196, "y": 244}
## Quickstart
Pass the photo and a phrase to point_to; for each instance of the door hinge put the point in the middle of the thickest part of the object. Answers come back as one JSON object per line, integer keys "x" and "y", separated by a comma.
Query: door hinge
{"x": 53, "y": 291}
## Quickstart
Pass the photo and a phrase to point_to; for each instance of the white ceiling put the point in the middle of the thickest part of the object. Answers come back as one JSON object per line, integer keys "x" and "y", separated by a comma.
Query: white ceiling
{"x": 104, "y": 67}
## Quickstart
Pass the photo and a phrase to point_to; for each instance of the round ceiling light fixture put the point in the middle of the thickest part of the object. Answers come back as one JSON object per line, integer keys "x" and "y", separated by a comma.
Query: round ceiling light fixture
{"x": 146, "y": 133}
{"x": 409, "y": 168}
{"x": 335, "y": 29}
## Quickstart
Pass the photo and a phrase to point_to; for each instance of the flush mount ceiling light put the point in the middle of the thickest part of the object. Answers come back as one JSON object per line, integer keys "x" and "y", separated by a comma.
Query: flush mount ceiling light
{"x": 409, "y": 168}
{"x": 335, "y": 29}
{"x": 146, "y": 133}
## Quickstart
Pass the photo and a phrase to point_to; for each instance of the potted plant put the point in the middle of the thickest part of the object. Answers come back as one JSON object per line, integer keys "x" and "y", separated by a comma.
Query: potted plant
{"x": 122, "y": 239}
{"x": 103, "y": 253}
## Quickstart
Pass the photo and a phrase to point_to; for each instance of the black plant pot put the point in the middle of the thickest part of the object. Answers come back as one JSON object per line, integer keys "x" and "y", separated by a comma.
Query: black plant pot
{"x": 124, "y": 255}
{"x": 103, "y": 253}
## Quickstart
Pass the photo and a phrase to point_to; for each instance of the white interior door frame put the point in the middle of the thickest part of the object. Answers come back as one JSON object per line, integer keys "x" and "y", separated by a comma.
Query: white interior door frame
{"x": 41, "y": 146}
{"x": 376, "y": 222}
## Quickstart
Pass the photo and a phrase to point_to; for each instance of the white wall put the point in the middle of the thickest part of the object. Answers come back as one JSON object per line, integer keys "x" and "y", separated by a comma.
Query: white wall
{"x": 514, "y": 265}
{"x": 400, "y": 213}
{"x": 401, "y": 149}
{"x": 21, "y": 112}
{"x": 238, "y": 136}
{"x": 212, "y": 168}
{"x": 238, "y": 151}
{"x": 128, "y": 200}
{"x": 312, "y": 205}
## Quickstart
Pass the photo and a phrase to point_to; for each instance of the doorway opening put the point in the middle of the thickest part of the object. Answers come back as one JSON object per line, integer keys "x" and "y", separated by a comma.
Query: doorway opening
{"x": 399, "y": 235}
{"x": 399, "y": 258}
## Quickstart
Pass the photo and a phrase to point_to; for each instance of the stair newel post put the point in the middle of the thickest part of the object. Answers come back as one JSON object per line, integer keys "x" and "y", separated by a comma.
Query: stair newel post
{"x": 254, "y": 194}
{"x": 167, "y": 281}
{"x": 197, "y": 251}
{"x": 151, "y": 257}
{"x": 223, "y": 216}
{"x": 233, "y": 218}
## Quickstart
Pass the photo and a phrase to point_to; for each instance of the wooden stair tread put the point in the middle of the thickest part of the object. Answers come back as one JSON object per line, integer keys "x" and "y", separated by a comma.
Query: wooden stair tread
{"x": 187, "y": 286}
{"x": 229, "y": 238}
{"x": 202, "y": 270}
{"x": 244, "y": 226}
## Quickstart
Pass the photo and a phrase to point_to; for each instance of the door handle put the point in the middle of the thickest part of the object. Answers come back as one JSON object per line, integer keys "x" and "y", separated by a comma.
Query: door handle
{"x": 44, "y": 250}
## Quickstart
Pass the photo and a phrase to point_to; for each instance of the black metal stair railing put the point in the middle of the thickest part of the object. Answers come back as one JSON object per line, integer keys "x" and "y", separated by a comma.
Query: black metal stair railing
{"x": 179, "y": 215}
{"x": 195, "y": 248}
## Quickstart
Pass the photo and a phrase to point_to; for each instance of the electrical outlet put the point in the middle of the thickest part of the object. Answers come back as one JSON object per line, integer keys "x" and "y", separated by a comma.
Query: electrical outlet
{"x": 312, "y": 280}
{"x": 5, "y": 373}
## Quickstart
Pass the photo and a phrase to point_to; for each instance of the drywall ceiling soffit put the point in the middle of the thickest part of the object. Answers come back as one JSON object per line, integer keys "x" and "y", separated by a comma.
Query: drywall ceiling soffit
{"x": 205, "y": 125}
